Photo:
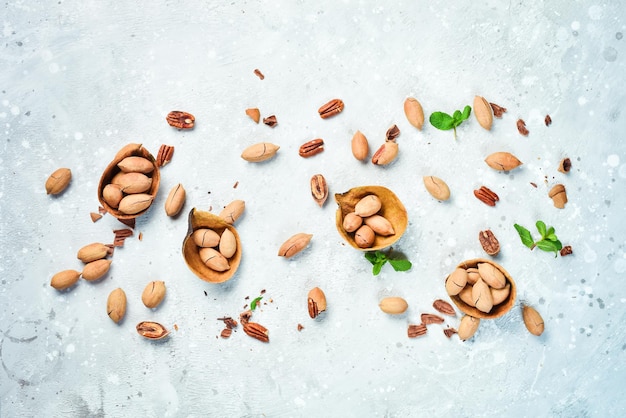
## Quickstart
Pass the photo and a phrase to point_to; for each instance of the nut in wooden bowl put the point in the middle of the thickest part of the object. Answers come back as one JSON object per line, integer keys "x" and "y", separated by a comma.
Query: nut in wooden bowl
{"x": 491, "y": 296}
{"x": 129, "y": 184}
{"x": 203, "y": 252}
{"x": 381, "y": 216}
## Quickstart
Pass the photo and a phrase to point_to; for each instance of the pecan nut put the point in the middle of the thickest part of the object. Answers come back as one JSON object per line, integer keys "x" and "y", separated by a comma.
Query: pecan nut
{"x": 521, "y": 127}
{"x": 226, "y": 332}
{"x": 392, "y": 133}
{"x": 331, "y": 108}
{"x": 444, "y": 307}
{"x": 489, "y": 242}
{"x": 548, "y": 120}
{"x": 165, "y": 155}
{"x": 486, "y": 196}
{"x": 270, "y": 121}
{"x": 181, "y": 120}
{"x": 449, "y": 332}
{"x": 152, "y": 330}
{"x": 567, "y": 250}
{"x": 311, "y": 148}
{"x": 319, "y": 189}
{"x": 498, "y": 111}
{"x": 257, "y": 331}
{"x": 416, "y": 330}
{"x": 431, "y": 319}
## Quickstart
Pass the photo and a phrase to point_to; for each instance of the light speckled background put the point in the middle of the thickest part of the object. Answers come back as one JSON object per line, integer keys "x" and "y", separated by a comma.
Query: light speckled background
{"x": 80, "y": 79}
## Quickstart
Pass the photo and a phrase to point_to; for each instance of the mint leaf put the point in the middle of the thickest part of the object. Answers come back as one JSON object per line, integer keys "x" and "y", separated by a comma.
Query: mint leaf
{"x": 255, "y": 302}
{"x": 400, "y": 265}
{"x": 376, "y": 268}
{"x": 371, "y": 257}
{"x": 441, "y": 121}
{"x": 548, "y": 246}
{"x": 541, "y": 227}
{"x": 525, "y": 236}
{"x": 466, "y": 112}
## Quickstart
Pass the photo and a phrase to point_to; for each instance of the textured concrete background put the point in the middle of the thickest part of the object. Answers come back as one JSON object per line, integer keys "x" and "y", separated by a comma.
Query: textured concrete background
{"x": 80, "y": 79}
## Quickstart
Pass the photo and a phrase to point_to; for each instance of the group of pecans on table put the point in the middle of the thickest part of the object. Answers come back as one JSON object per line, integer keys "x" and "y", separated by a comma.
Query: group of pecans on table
{"x": 128, "y": 192}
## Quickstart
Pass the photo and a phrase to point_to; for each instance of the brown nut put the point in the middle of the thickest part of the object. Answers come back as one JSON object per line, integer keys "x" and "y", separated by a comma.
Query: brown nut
{"x": 379, "y": 225}
{"x": 135, "y": 164}
{"x": 533, "y": 320}
{"x": 558, "y": 196}
{"x": 112, "y": 195}
{"x": 360, "y": 146}
{"x": 257, "y": 331}
{"x": 311, "y": 148}
{"x": 205, "y": 237}
{"x": 331, "y": 108}
{"x": 444, "y": 307}
{"x": 456, "y": 281}
{"x": 491, "y": 275}
{"x": 500, "y": 295}
{"x": 368, "y": 206}
{"x": 93, "y": 252}
{"x": 175, "y": 200}
{"x": 152, "y": 330}
{"x": 116, "y": 305}
{"x": 502, "y": 161}
{"x": 393, "y": 305}
{"x": 319, "y": 189}
{"x": 414, "y": 112}
{"x": 481, "y": 296}
{"x": 565, "y": 165}
{"x": 181, "y": 120}
{"x": 254, "y": 114}
{"x": 233, "y": 211}
{"x": 58, "y": 181}
{"x": 483, "y": 112}
{"x": 96, "y": 269}
{"x": 228, "y": 243}
{"x": 64, "y": 279}
{"x": 386, "y": 153}
{"x": 213, "y": 259}
{"x": 352, "y": 222}
{"x": 258, "y": 152}
{"x": 364, "y": 236}
{"x": 294, "y": 245}
{"x": 153, "y": 294}
{"x": 134, "y": 204}
{"x": 436, "y": 187}
{"x": 316, "y": 302}
{"x": 489, "y": 242}
{"x": 468, "y": 327}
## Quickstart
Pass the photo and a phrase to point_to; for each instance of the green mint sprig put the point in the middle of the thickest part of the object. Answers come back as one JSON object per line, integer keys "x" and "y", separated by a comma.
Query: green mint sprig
{"x": 379, "y": 258}
{"x": 548, "y": 242}
{"x": 445, "y": 122}
{"x": 255, "y": 302}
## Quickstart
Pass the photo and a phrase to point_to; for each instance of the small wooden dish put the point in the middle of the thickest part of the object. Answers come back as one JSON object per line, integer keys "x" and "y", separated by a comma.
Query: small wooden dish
{"x": 200, "y": 219}
{"x": 392, "y": 209}
{"x": 130, "y": 150}
{"x": 498, "y": 310}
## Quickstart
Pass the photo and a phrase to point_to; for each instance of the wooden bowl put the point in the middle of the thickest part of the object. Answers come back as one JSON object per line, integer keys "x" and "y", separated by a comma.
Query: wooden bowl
{"x": 112, "y": 169}
{"x": 497, "y": 310}
{"x": 392, "y": 209}
{"x": 200, "y": 219}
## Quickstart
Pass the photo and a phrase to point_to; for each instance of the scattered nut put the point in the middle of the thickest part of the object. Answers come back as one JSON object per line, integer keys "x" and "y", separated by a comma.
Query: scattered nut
{"x": 233, "y": 211}
{"x": 567, "y": 250}
{"x": 498, "y": 111}
{"x": 436, "y": 187}
{"x": 319, "y": 189}
{"x": 311, "y": 148}
{"x": 483, "y": 112}
{"x": 558, "y": 196}
{"x": 93, "y": 252}
{"x": 331, "y": 108}
{"x": 414, "y": 112}
{"x": 181, "y": 120}
{"x": 393, "y": 305}
{"x": 565, "y": 165}
{"x": 533, "y": 320}
{"x": 294, "y": 245}
{"x": 153, "y": 294}
{"x": 116, "y": 305}
{"x": 96, "y": 269}
{"x": 259, "y": 152}
{"x": 486, "y": 195}
{"x": 175, "y": 200}
{"x": 270, "y": 121}
{"x": 548, "y": 120}
{"x": 152, "y": 330}
{"x": 254, "y": 114}
{"x": 468, "y": 327}
{"x": 316, "y": 301}
{"x": 502, "y": 161}
{"x": 415, "y": 331}
{"x": 521, "y": 127}
{"x": 58, "y": 181}
{"x": 489, "y": 242}
{"x": 65, "y": 279}
{"x": 360, "y": 146}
